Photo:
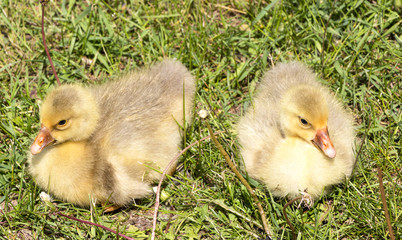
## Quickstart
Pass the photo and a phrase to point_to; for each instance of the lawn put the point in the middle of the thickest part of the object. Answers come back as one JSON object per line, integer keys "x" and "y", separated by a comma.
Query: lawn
{"x": 353, "y": 46}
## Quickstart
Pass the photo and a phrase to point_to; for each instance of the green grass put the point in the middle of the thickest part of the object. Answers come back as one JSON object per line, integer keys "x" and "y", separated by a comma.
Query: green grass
{"x": 354, "y": 46}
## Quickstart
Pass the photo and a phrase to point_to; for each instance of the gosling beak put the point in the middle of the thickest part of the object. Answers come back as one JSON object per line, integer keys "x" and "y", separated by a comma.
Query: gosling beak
{"x": 323, "y": 142}
{"x": 42, "y": 140}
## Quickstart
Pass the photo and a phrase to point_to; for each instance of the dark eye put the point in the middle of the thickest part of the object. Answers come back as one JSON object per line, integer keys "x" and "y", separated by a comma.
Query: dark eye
{"x": 62, "y": 123}
{"x": 304, "y": 121}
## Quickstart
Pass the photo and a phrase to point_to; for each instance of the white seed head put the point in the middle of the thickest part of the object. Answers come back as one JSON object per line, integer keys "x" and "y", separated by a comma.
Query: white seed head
{"x": 45, "y": 197}
{"x": 203, "y": 113}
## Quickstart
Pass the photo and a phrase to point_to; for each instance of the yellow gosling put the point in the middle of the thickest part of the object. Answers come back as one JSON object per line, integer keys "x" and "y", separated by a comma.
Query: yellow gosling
{"x": 100, "y": 142}
{"x": 296, "y": 135}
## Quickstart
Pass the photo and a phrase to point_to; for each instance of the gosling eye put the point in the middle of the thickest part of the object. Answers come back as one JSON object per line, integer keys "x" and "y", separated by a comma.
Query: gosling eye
{"x": 304, "y": 123}
{"x": 62, "y": 124}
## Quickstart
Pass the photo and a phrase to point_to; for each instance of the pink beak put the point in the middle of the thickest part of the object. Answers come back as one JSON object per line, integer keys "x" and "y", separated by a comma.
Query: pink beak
{"x": 323, "y": 142}
{"x": 42, "y": 140}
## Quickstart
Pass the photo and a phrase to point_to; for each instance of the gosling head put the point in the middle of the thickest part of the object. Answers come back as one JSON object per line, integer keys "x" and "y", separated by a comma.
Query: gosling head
{"x": 68, "y": 113}
{"x": 304, "y": 114}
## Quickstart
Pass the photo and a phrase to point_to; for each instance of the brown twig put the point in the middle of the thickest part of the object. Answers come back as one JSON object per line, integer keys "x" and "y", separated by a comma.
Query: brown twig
{"x": 384, "y": 203}
{"x": 286, "y": 215}
{"x": 158, "y": 190}
{"x": 267, "y": 227}
{"x": 95, "y": 224}
{"x": 43, "y": 2}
